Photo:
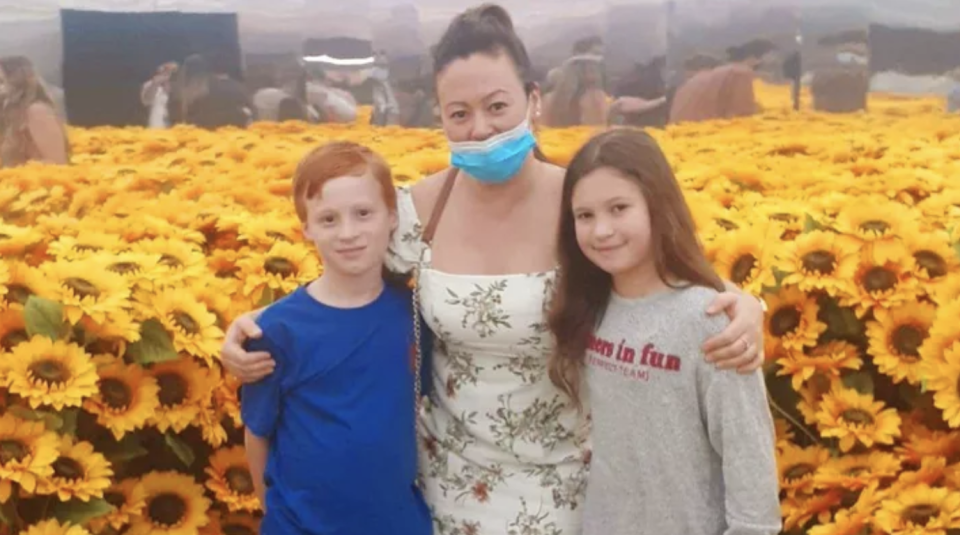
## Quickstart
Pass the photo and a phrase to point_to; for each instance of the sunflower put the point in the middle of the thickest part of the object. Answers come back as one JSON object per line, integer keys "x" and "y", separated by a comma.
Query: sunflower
{"x": 192, "y": 327}
{"x": 282, "y": 269}
{"x": 845, "y": 522}
{"x": 921, "y": 509}
{"x": 230, "y": 480}
{"x": 944, "y": 336}
{"x": 932, "y": 472}
{"x": 22, "y": 282}
{"x": 801, "y": 508}
{"x": 140, "y": 270}
{"x": 227, "y": 398}
{"x": 87, "y": 288}
{"x": 84, "y": 244}
{"x": 215, "y": 293}
{"x": 126, "y": 400}
{"x": 180, "y": 260}
{"x": 856, "y": 472}
{"x": 223, "y": 263}
{"x": 783, "y": 431}
{"x": 932, "y": 254}
{"x": 263, "y": 231}
{"x": 27, "y": 452}
{"x": 746, "y": 257}
{"x": 45, "y": 372}
{"x": 232, "y": 524}
{"x": 174, "y": 505}
{"x": 791, "y": 321}
{"x": 896, "y": 336}
{"x": 811, "y": 394}
{"x": 184, "y": 389}
{"x": 879, "y": 222}
{"x": 54, "y": 527}
{"x": 852, "y": 417}
{"x": 946, "y": 289}
{"x": 128, "y": 500}
{"x": 882, "y": 280}
{"x": 829, "y": 359}
{"x": 820, "y": 260}
{"x": 798, "y": 467}
{"x": 13, "y": 331}
{"x": 79, "y": 472}
{"x": 943, "y": 378}
{"x": 15, "y": 241}
{"x": 919, "y": 442}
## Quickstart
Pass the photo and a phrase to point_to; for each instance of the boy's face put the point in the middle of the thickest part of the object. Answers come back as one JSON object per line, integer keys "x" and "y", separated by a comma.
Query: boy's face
{"x": 350, "y": 224}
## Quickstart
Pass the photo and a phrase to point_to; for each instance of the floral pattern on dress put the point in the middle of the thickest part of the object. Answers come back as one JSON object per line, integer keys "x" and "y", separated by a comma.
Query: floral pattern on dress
{"x": 503, "y": 450}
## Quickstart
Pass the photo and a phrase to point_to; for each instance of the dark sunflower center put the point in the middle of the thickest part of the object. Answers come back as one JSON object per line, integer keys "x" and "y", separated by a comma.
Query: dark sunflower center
{"x": 920, "y": 514}
{"x": 13, "y": 338}
{"x": 798, "y": 470}
{"x": 856, "y": 471}
{"x": 277, "y": 236}
{"x": 5, "y": 236}
{"x": 50, "y": 371}
{"x": 879, "y": 279}
{"x": 236, "y": 529}
{"x": 18, "y": 294}
{"x": 239, "y": 480}
{"x": 789, "y": 235}
{"x": 279, "y": 266}
{"x": 167, "y": 509}
{"x": 12, "y": 450}
{"x": 124, "y": 268}
{"x": 170, "y": 261}
{"x": 115, "y": 393}
{"x": 116, "y": 499}
{"x": 742, "y": 268}
{"x": 87, "y": 248}
{"x": 67, "y": 468}
{"x": 186, "y": 322}
{"x": 173, "y": 389}
{"x": 726, "y": 224}
{"x": 857, "y": 416}
{"x": 82, "y": 287}
{"x": 227, "y": 272}
{"x": 907, "y": 340}
{"x": 935, "y": 265}
{"x": 784, "y": 321}
{"x": 784, "y": 217}
{"x": 875, "y": 226}
{"x": 819, "y": 262}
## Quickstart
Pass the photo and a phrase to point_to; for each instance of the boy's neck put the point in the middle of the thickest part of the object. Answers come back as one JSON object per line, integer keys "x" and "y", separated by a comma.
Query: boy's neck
{"x": 347, "y": 291}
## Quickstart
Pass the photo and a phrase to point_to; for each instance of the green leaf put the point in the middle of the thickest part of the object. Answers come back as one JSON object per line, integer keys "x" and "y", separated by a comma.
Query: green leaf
{"x": 78, "y": 512}
{"x": 180, "y": 448}
{"x": 810, "y": 224}
{"x": 267, "y": 297}
{"x": 126, "y": 449}
{"x": 155, "y": 344}
{"x": 860, "y": 381}
{"x": 44, "y": 317}
{"x": 69, "y": 418}
{"x": 956, "y": 249}
{"x": 50, "y": 419}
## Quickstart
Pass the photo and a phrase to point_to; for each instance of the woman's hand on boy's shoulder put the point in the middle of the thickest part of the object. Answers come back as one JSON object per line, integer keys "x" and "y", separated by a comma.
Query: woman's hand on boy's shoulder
{"x": 249, "y": 367}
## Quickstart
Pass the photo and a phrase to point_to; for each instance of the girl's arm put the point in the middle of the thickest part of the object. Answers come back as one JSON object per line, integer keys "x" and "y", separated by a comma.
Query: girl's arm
{"x": 47, "y": 133}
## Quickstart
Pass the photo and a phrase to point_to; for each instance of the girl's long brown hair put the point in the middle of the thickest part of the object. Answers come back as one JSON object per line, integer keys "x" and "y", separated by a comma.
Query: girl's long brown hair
{"x": 583, "y": 289}
{"x": 25, "y": 88}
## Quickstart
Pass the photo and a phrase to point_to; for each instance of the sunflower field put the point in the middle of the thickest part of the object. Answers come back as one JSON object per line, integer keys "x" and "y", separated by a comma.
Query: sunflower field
{"x": 120, "y": 273}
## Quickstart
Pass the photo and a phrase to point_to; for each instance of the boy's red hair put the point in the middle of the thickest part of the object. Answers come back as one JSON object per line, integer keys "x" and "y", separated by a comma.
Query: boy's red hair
{"x": 334, "y": 160}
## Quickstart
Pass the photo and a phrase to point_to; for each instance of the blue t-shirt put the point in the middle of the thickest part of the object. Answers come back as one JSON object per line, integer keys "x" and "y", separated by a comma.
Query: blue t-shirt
{"x": 338, "y": 412}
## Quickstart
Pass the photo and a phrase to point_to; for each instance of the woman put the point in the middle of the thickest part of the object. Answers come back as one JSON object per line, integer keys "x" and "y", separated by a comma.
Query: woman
{"x": 30, "y": 128}
{"x": 287, "y": 99}
{"x": 578, "y": 97}
{"x": 504, "y": 450}
{"x": 206, "y": 99}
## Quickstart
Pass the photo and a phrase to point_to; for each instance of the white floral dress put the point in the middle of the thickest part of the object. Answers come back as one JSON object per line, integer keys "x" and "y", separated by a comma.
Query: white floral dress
{"x": 503, "y": 450}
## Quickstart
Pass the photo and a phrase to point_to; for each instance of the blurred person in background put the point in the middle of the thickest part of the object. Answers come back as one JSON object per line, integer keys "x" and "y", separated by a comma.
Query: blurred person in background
{"x": 723, "y": 92}
{"x": 287, "y": 99}
{"x": 578, "y": 97}
{"x": 208, "y": 99}
{"x": 953, "y": 97}
{"x": 155, "y": 94}
{"x": 30, "y": 128}
{"x": 386, "y": 111}
{"x": 334, "y": 105}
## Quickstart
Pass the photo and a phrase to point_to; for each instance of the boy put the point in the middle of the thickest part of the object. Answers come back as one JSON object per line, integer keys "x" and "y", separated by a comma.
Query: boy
{"x": 331, "y": 437}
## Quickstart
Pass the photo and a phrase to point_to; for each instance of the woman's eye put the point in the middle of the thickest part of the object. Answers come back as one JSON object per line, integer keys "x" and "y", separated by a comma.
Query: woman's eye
{"x": 497, "y": 106}
{"x": 619, "y": 208}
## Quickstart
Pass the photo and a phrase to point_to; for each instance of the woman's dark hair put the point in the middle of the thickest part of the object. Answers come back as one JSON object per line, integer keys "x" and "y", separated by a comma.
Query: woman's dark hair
{"x": 485, "y": 29}
{"x": 752, "y": 49}
{"x": 191, "y": 83}
{"x": 583, "y": 289}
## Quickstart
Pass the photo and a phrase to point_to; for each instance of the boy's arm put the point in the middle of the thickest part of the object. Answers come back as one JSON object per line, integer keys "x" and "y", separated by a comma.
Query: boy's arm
{"x": 257, "y": 449}
{"x": 741, "y": 431}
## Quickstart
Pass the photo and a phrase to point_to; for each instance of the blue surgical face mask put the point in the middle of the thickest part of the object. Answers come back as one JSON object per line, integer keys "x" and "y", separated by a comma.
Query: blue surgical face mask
{"x": 497, "y": 159}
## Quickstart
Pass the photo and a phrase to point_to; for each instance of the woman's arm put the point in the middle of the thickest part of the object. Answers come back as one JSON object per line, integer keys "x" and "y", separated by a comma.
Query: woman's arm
{"x": 594, "y": 108}
{"x": 47, "y": 133}
{"x": 740, "y": 344}
{"x": 248, "y": 367}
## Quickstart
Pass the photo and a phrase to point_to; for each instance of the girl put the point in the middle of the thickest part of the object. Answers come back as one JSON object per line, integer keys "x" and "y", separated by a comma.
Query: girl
{"x": 678, "y": 447}
{"x": 30, "y": 128}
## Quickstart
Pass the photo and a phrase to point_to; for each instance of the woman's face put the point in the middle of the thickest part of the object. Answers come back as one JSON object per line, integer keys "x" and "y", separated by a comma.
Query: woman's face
{"x": 481, "y": 96}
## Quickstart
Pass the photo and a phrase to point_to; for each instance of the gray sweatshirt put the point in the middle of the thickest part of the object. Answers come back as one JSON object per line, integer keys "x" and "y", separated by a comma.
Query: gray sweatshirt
{"x": 679, "y": 447}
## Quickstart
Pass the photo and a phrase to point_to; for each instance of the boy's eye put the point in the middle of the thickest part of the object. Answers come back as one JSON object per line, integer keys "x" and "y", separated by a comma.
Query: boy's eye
{"x": 327, "y": 219}
{"x": 363, "y": 212}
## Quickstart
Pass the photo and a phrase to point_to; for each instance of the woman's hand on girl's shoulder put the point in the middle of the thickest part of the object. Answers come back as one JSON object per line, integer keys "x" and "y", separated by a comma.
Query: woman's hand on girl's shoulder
{"x": 248, "y": 367}
{"x": 740, "y": 344}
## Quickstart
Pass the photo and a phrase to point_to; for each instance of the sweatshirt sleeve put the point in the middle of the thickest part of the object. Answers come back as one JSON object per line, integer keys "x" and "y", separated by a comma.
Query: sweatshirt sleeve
{"x": 740, "y": 429}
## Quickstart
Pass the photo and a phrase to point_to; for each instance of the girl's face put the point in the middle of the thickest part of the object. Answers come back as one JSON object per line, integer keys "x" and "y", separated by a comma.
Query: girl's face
{"x": 612, "y": 221}
{"x": 481, "y": 96}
